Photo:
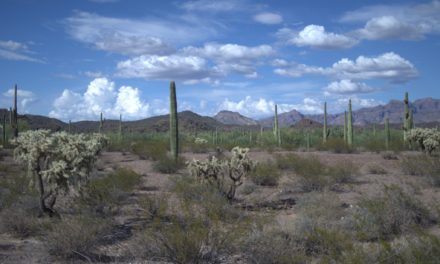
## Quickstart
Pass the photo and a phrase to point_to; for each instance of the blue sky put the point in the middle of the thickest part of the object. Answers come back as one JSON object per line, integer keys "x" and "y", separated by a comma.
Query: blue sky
{"x": 75, "y": 59}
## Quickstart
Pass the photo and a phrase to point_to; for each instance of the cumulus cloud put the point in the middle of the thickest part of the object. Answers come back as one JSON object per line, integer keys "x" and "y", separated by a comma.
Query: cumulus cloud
{"x": 135, "y": 36}
{"x": 315, "y": 36}
{"x": 24, "y": 98}
{"x": 268, "y": 18}
{"x": 12, "y": 50}
{"x": 408, "y": 21}
{"x": 164, "y": 67}
{"x": 101, "y": 96}
{"x": 342, "y": 103}
{"x": 389, "y": 66}
{"x": 348, "y": 87}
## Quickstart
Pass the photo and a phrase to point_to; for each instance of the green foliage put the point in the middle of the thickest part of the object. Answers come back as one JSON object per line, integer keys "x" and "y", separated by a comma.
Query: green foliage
{"x": 265, "y": 174}
{"x": 21, "y": 223}
{"x": 150, "y": 149}
{"x": 336, "y": 145}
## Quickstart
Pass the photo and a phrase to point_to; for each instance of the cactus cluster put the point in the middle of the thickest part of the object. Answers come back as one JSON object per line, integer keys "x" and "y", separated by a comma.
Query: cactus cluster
{"x": 200, "y": 141}
{"x": 59, "y": 161}
{"x": 427, "y": 139}
{"x": 226, "y": 175}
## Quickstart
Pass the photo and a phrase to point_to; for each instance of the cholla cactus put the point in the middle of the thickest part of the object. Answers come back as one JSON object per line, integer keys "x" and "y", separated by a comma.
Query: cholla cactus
{"x": 427, "y": 139}
{"x": 60, "y": 161}
{"x": 200, "y": 141}
{"x": 225, "y": 175}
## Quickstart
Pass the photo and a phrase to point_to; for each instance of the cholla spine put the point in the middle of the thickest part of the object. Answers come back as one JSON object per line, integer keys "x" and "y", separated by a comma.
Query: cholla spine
{"x": 174, "y": 132}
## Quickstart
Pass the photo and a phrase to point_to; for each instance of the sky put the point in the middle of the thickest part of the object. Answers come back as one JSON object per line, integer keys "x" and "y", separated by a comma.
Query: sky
{"x": 73, "y": 60}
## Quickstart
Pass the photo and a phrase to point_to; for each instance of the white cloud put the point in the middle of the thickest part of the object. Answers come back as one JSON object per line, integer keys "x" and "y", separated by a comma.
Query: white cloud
{"x": 214, "y": 6}
{"x": 389, "y": 27}
{"x": 93, "y": 74}
{"x": 309, "y": 106}
{"x": 136, "y": 36}
{"x": 232, "y": 57}
{"x": 356, "y": 102}
{"x": 408, "y": 21}
{"x": 389, "y": 66}
{"x": 12, "y": 50}
{"x": 101, "y": 96}
{"x": 268, "y": 18}
{"x": 253, "y": 108}
{"x": 164, "y": 67}
{"x": 348, "y": 87}
{"x": 24, "y": 98}
{"x": 316, "y": 36}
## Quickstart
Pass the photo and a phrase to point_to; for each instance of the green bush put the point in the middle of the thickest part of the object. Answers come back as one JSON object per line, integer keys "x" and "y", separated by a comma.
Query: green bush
{"x": 286, "y": 162}
{"x": 151, "y": 149}
{"x": 265, "y": 174}
{"x": 21, "y": 223}
{"x": 389, "y": 215}
{"x": 336, "y": 145}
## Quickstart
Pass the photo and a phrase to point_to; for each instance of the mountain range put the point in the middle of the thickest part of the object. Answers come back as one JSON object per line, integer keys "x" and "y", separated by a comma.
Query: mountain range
{"x": 425, "y": 111}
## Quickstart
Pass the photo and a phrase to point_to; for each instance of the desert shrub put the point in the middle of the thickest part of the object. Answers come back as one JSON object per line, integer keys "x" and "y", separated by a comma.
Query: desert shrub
{"x": 376, "y": 169}
{"x": 419, "y": 249}
{"x": 286, "y": 162}
{"x": 388, "y": 155}
{"x": 336, "y": 145}
{"x": 314, "y": 175}
{"x": 154, "y": 206}
{"x": 76, "y": 237}
{"x": 375, "y": 145}
{"x": 21, "y": 223}
{"x": 393, "y": 213}
{"x": 14, "y": 186}
{"x": 422, "y": 165}
{"x": 225, "y": 175}
{"x": 343, "y": 171}
{"x": 168, "y": 165}
{"x": 151, "y": 150}
{"x": 101, "y": 195}
{"x": 265, "y": 174}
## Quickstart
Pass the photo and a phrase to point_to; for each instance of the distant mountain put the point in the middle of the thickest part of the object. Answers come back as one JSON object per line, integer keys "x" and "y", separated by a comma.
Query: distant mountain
{"x": 284, "y": 120}
{"x": 425, "y": 110}
{"x": 234, "y": 118}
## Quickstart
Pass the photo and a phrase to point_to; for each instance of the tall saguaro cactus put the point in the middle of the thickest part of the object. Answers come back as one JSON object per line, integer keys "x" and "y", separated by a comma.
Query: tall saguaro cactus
{"x": 276, "y": 129}
{"x": 350, "y": 125}
{"x": 70, "y": 126}
{"x": 15, "y": 115}
{"x": 101, "y": 124}
{"x": 174, "y": 132}
{"x": 4, "y": 130}
{"x": 387, "y": 133}
{"x": 325, "y": 131}
{"x": 345, "y": 127}
{"x": 407, "y": 118}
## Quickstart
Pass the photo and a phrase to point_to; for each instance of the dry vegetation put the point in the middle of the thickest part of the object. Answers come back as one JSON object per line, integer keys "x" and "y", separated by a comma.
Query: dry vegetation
{"x": 293, "y": 207}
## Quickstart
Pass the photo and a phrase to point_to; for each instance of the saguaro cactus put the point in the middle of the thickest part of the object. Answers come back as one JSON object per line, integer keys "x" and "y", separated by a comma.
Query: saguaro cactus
{"x": 350, "y": 125}
{"x": 15, "y": 115}
{"x": 345, "y": 127}
{"x": 70, "y": 126}
{"x": 4, "y": 130}
{"x": 387, "y": 133}
{"x": 407, "y": 122}
{"x": 308, "y": 141}
{"x": 174, "y": 132}
{"x": 325, "y": 131}
{"x": 276, "y": 129}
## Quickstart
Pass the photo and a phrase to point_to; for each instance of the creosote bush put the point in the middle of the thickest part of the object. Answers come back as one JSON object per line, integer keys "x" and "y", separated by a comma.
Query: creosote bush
{"x": 265, "y": 174}
{"x": 151, "y": 149}
{"x": 168, "y": 165}
{"x": 391, "y": 214}
{"x": 422, "y": 165}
